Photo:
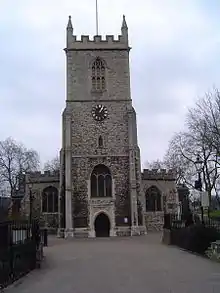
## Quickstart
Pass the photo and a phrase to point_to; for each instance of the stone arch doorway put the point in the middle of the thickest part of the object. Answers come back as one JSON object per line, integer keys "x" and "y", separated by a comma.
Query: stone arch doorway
{"x": 102, "y": 225}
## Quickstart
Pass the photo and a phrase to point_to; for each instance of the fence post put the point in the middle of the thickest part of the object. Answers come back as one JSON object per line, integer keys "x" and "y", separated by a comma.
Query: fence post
{"x": 11, "y": 251}
{"x": 167, "y": 221}
{"x": 45, "y": 237}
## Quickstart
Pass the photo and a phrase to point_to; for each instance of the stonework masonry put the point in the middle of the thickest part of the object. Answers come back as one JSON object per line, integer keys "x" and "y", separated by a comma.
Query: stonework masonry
{"x": 81, "y": 135}
{"x": 39, "y": 181}
{"x": 165, "y": 181}
{"x": 98, "y": 75}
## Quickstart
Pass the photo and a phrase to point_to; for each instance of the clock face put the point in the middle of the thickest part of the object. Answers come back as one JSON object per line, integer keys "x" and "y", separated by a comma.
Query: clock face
{"x": 99, "y": 112}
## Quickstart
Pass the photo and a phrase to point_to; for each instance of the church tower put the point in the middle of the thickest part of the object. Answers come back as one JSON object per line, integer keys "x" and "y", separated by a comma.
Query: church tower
{"x": 100, "y": 157}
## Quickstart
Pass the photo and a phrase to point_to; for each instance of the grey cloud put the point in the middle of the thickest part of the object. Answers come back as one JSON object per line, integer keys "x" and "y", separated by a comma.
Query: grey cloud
{"x": 174, "y": 58}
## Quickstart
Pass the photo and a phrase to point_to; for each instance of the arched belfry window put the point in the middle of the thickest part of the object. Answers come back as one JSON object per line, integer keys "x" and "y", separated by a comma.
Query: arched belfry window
{"x": 50, "y": 200}
{"x": 98, "y": 75}
{"x": 101, "y": 182}
{"x": 153, "y": 199}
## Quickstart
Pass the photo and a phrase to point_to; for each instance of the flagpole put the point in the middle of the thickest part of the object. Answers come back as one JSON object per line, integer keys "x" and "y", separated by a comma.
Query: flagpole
{"x": 97, "y": 20}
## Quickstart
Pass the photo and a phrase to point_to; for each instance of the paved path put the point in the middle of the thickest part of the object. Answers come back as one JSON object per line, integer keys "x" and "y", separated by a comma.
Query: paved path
{"x": 120, "y": 265}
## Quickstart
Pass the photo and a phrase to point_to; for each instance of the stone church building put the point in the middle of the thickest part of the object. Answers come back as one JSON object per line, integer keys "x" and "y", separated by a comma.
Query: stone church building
{"x": 100, "y": 189}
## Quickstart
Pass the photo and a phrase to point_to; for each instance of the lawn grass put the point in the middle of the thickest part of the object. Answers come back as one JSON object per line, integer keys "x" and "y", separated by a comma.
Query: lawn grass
{"x": 215, "y": 214}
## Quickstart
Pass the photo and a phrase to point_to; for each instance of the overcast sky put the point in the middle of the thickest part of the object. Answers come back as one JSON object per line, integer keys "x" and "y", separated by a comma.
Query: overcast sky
{"x": 175, "y": 58}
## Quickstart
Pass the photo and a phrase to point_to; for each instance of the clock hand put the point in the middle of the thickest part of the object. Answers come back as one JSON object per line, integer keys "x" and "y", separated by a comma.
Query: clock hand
{"x": 101, "y": 109}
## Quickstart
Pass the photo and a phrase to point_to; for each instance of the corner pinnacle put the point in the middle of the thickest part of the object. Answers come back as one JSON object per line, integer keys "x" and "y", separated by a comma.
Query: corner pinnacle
{"x": 69, "y": 25}
{"x": 124, "y": 24}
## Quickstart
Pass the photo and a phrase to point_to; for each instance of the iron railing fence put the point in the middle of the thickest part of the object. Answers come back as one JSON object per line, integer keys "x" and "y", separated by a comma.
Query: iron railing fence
{"x": 191, "y": 232}
{"x": 174, "y": 221}
{"x": 19, "y": 241}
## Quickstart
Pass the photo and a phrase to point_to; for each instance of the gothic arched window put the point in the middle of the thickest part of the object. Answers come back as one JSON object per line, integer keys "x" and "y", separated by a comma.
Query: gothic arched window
{"x": 98, "y": 75}
{"x": 101, "y": 182}
{"x": 50, "y": 200}
{"x": 153, "y": 199}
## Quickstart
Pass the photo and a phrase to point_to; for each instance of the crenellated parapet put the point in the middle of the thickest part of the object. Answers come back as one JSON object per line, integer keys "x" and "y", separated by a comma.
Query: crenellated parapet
{"x": 108, "y": 42}
{"x": 97, "y": 42}
{"x": 158, "y": 174}
{"x": 46, "y": 176}
{"x": 109, "y": 39}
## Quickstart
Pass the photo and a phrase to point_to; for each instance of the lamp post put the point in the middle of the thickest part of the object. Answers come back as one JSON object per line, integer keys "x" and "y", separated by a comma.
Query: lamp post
{"x": 30, "y": 200}
{"x": 198, "y": 183}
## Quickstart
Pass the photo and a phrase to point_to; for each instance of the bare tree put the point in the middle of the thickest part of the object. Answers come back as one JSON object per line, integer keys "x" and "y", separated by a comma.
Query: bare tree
{"x": 168, "y": 164}
{"x": 201, "y": 138}
{"x": 178, "y": 159}
{"x": 52, "y": 165}
{"x": 15, "y": 159}
{"x": 204, "y": 121}
{"x": 157, "y": 164}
